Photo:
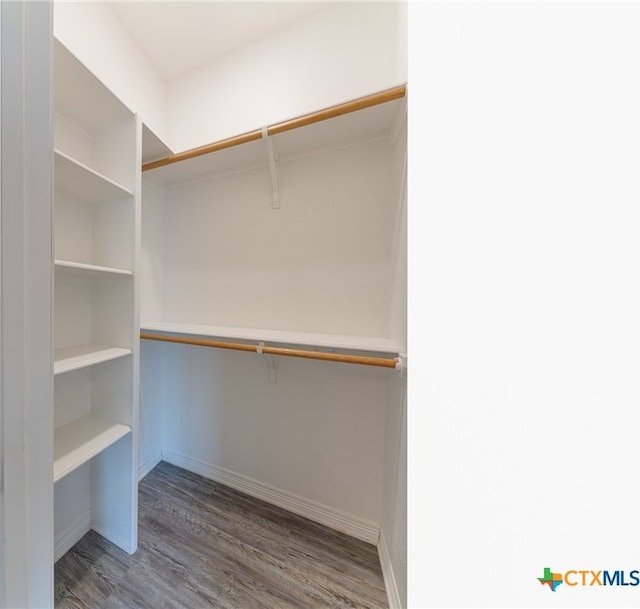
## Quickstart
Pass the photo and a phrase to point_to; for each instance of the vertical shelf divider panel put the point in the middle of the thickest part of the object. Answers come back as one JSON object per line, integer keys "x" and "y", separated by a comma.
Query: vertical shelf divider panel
{"x": 97, "y": 150}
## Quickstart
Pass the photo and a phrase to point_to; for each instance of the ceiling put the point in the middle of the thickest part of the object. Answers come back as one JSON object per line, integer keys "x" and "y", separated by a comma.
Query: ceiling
{"x": 178, "y": 37}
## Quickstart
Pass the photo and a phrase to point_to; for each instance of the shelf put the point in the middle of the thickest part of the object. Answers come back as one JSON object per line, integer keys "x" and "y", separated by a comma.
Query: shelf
{"x": 74, "y": 358}
{"x": 82, "y": 440}
{"x": 153, "y": 147}
{"x": 324, "y": 341}
{"x": 77, "y": 180}
{"x": 91, "y": 270}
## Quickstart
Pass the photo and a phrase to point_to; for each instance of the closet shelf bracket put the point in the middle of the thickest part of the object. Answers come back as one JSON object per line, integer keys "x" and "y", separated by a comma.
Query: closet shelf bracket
{"x": 401, "y": 363}
{"x": 271, "y": 363}
{"x": 273, "y": 157}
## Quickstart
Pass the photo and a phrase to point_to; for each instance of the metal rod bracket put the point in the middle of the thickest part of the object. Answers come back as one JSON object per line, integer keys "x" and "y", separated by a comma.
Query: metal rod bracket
{"x": 273, "y": 157}
{"x": 271, "y": 363}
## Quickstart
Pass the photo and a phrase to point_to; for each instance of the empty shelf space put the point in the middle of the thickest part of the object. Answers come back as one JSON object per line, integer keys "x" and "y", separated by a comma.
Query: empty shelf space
{"x": 76, "y": 179}
{"x": 80, "y": 95}
{"x": 74, "y": 358}
{"x": 324, "y": 341}
{"x": 80, "y": 268}
{"x": 81, "y": 440}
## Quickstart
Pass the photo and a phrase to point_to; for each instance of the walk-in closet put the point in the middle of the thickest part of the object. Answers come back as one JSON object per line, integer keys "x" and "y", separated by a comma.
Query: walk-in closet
{"x": 228, "y": 297}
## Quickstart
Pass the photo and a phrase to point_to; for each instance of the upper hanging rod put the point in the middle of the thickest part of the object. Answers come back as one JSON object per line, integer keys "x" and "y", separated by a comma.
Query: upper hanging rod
{"x": 332, "y": 357}
{"x": 301, "y": 121}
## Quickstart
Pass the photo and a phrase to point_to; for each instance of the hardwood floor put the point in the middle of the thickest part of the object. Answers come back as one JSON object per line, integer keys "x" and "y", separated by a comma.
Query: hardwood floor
{"x": 203, "y": 545}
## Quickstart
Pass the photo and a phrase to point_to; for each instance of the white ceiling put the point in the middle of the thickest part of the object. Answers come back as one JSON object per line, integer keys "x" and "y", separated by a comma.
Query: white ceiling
{"x": 180, "y": 36}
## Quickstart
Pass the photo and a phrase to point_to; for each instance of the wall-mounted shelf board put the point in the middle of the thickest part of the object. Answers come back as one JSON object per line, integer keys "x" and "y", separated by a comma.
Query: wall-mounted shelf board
{"x": 83, "y": 439}
{"x": 90, "y": 270}
{"x": 153, "y": 147}
{"x": 339, "y": 132}
{"x": 324, "y": 341}
{"x": 77, "y": 180}
{"x": 74, "y": 358}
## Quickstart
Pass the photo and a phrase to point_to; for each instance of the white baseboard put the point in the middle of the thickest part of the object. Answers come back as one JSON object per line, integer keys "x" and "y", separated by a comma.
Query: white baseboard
{"x": 335, "y": 519}
{"x": 77, "y": 530}
{"x": 393, "y": 595}
{"x": 69, "y": 538}
{"x": 122, "y": 543}
{"x": 149, "y": 463}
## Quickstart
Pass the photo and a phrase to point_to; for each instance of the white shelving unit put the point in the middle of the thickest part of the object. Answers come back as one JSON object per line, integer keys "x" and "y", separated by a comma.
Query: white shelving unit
{"x": 97, "y": 154}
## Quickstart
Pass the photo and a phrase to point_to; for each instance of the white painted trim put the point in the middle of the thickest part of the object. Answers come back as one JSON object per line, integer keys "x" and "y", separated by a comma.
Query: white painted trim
{"x": 146, "y": 467}
{"x": 26, "y": 386}
{"x": 393, "y": 595}
{"x": 323, "y": 514}
{"x": 69, "y": 538}
{"x": 124, "y": 543}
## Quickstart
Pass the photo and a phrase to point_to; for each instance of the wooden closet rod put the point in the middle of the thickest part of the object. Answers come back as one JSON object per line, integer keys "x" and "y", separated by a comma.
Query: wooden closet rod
{"x": 314, "y": 117}
{"x": 331, "y": 357}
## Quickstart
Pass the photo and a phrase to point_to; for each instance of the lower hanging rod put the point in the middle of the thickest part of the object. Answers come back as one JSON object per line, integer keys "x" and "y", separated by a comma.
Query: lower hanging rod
{"x": 331, "y": 357}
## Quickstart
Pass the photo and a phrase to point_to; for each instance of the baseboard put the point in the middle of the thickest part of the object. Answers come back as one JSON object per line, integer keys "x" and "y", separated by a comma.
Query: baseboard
{"x": 393, "y": 595}
{"x": 149, "y": 464}
{"x": 77, "y": 531}
{"x": 335, "y": 519}
{"x": 122, "y": 543}
{"x": 72, "y": 536}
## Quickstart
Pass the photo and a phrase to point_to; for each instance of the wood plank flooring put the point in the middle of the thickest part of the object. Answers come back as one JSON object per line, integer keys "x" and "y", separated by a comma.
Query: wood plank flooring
{"x": 204, "y": 545}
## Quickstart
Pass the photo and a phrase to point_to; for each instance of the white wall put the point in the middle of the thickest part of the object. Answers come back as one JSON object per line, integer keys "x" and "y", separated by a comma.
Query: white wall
{"x": 524, "y": 263}
{"x": 340, "y": 53}
{"x": 72, "y": 509}
{"x": 151, "y": 402}
{"x": 151, "y": 277}
{"x": 318, "y": 264}
{"x": 152, "y": 249}
{"x": 318, "y": 433}
{"x": 398, "y": 253}
{"x": 394, "y": 506}
{"x": 94, "y": 35}
{"x": 402, "y": 43}
{"x": 393, "y": 546}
